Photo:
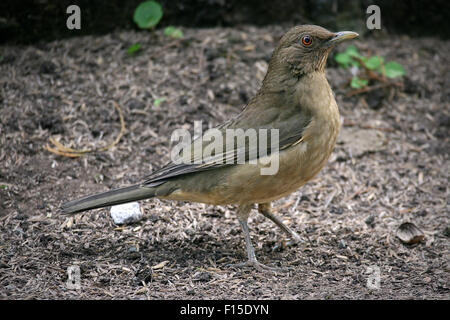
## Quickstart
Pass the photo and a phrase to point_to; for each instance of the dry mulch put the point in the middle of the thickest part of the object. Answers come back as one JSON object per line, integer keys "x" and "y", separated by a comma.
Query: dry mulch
{"x": 397, "y": 171}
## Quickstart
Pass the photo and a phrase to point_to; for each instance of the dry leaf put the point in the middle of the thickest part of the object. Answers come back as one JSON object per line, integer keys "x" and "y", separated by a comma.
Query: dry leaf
{"x": 408, "y": 233}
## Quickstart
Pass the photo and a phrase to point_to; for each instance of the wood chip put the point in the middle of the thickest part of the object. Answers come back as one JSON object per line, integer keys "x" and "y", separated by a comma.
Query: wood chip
{"x": 160, "y": 265}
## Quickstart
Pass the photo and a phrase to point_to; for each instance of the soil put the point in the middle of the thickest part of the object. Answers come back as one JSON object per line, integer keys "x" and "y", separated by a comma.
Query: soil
{"x": 397, "y": 171}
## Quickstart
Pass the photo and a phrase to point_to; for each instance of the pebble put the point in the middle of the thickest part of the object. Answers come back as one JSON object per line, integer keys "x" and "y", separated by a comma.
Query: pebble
{"x": 126, "y": 213}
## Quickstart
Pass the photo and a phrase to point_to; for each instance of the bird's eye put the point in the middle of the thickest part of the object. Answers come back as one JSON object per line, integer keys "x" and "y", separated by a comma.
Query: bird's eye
{"x": 307, "y": 40}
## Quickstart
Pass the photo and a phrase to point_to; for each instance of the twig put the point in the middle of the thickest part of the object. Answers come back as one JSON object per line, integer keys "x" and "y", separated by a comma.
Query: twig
{"x": 365, "y": 126}
{"x": 62, "y": 150}
{"x": 370, "y": 73}
{"x": 374, "y": 87}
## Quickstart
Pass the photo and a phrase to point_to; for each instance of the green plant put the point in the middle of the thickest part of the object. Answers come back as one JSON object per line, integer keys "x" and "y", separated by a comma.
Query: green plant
{"x": 393, "y": 69}
{"x": 375, "y": 69}
{"x": 357, "y": 83}
{"x": 173, "y": 32}
{"x": 158, "y": 101}
{"x": 148, "y": 14}
{"x": 133, "y": 48}
{"x": 345, "y": 59}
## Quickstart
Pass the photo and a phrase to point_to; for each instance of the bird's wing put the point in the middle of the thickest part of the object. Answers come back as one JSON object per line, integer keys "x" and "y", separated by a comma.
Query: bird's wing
{"x": 290, "y": 123}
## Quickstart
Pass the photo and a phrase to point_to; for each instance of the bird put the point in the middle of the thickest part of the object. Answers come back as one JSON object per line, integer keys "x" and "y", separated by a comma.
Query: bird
{"x": 295, "y": 100}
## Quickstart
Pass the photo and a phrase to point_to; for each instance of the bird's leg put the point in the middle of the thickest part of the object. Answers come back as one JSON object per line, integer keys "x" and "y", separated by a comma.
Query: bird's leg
{"x": 266, "y": 210}
{"x": 243, "y": 213}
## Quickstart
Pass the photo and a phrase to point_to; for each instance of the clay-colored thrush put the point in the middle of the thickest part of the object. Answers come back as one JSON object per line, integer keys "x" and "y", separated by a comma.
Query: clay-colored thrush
{"x": 296, "y": 99}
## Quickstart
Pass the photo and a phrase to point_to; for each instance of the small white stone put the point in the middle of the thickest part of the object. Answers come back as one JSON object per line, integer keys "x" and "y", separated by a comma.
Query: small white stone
{"x": 354, "y": 70}
{"x": 126, "y": 213}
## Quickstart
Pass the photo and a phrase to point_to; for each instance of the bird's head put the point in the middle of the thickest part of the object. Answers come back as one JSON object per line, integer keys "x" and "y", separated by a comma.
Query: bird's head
{"x": 304, "y": 49}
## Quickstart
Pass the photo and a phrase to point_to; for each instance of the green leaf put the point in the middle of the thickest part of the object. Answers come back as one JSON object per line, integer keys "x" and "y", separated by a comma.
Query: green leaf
{"x": 343, "y": 59}
{"x": 2, "y": 186}
{"x": 148, "y": 14}
{"x": 173, "y": 32}
{"x": 157, "y": 102}
{"x": 346, "y": 58}
{"x": 354, "y": 63}
{"x": 134, "y": 48}
{"x": 374, "y": 62}
{"x": 358, "y": 83}
{"x": 352, "y": 51}
{"x": 393, "y": 69}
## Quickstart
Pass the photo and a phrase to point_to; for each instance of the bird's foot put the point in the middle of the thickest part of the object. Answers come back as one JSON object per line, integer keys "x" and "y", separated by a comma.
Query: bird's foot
{"x": 257, "y": 265}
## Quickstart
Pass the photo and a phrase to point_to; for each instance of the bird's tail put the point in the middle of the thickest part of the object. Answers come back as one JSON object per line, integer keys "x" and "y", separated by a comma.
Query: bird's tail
{"x": 109, "y": 198}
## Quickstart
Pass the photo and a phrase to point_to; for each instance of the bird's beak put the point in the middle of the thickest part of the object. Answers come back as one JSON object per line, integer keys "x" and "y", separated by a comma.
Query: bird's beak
{"x": 341, "y": 36}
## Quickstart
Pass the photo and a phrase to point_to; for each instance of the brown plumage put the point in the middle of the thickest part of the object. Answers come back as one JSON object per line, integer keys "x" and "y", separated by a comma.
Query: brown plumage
{"x": 296, "y": 99}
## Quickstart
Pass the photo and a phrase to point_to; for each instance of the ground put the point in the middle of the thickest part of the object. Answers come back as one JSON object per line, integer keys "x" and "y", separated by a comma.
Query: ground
{"x": 391, "y": 165}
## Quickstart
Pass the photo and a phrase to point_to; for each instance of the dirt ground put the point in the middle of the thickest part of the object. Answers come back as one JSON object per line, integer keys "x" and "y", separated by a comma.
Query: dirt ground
{"x": 391, "y": 165}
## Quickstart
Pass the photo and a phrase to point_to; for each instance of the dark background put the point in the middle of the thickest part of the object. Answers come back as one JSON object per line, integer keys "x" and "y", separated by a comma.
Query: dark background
{"x": 28, "y": 21}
